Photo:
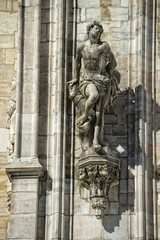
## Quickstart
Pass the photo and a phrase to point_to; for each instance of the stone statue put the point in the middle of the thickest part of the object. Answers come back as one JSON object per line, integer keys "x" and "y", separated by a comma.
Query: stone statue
{"x": 11, "y": 112}
{"x": 94, "y": 87}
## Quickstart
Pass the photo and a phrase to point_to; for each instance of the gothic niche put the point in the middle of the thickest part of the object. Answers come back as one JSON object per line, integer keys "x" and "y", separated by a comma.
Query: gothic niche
{"x": 94, "y": 89}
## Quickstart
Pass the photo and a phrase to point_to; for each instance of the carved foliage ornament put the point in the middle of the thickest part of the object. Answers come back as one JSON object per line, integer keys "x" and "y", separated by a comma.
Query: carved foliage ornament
{"x": 98, "y": 179}
{"x": 98, "y": 174}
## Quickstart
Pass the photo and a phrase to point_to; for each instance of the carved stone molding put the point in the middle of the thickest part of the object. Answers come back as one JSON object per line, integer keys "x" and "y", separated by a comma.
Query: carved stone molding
{"x": 24, "y": 169}
{"x": 9, "y": 195}
{"x": 98, "y": 173}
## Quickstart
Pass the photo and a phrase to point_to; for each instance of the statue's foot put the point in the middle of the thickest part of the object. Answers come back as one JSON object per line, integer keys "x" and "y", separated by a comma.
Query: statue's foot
{"x": 97, "y": 147}
{"x": 81, "y": 120}
{"x": 102, "y": 143}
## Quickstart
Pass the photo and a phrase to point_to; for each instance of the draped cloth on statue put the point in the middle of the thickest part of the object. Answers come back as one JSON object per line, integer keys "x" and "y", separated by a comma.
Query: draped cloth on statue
{"x": 103, "y": 84}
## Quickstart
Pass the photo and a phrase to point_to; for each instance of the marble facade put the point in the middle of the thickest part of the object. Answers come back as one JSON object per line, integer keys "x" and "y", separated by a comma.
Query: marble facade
{"x": 38, "y": 42}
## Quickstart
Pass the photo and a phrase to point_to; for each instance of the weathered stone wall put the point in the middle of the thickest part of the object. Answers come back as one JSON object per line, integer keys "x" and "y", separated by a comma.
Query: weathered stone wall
{"x": 129, "y": 29}
{"x": 8, "y": 66}
{"x": 8, "y": 53}
{"x": 114, "y": 17}
{"x": 46, "y": 123}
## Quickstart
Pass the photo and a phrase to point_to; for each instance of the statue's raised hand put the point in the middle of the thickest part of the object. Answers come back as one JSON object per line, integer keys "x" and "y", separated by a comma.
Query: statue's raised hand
{"x": 73, "y": 82}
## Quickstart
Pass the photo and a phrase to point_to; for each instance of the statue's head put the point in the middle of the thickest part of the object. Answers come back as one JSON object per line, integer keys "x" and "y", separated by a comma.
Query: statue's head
{"x": 94, "y": 30}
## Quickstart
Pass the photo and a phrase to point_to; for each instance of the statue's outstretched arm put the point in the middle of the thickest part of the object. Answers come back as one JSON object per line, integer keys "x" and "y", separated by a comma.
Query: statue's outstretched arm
{"x": 77, "y": 64}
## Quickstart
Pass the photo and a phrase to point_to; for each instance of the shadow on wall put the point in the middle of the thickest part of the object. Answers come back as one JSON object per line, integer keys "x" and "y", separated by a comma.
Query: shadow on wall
{"x": 43, "y": 112}
{"x": 128, "y": 126}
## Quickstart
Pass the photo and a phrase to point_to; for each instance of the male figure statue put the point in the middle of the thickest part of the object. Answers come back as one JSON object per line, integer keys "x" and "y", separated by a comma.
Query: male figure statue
{"x": 96, "y": 62}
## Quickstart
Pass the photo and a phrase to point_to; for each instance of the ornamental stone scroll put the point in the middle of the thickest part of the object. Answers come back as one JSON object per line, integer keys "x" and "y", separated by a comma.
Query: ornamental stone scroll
{"x": 94, "y": 89}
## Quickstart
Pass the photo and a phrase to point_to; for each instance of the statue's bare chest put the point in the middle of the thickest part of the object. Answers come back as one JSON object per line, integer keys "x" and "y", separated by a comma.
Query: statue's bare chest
{"x": 92, "y": 52}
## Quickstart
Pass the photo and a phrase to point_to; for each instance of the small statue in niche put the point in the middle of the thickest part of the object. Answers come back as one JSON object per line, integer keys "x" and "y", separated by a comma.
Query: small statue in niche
{"x": 11, "y": 112}
{"x": 94, "y": 87}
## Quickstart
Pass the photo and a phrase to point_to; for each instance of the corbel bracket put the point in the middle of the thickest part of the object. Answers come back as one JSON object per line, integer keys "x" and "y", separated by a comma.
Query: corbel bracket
{"x": 98, "y": 173}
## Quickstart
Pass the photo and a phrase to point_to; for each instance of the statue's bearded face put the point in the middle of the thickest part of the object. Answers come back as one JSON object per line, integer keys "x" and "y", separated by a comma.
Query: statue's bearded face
{"x": 95, "y": 32}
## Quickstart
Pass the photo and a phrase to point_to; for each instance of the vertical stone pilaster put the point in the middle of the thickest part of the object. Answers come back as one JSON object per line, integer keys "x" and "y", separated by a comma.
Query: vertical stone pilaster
{"x": 145, "y": 103}
{"x": 156, "y": 133}
{"x": 25, "y": 169}
{"x": 59, "y": 166}
{"x": 27, "y": 103}
{"x": 140, "y": 112}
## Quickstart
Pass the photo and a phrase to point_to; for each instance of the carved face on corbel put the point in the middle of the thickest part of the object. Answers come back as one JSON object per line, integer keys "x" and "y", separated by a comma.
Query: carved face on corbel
{"x": 92, "y": 171}
{"x": 103, "y": 171}
{"x": 82, "y": 174}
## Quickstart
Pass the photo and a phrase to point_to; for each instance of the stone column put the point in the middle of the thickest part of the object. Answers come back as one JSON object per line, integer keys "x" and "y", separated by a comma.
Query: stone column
{"x": 25, "y": 169}
{"x": 59, "y": 167}
{"x": 156, "y": 132}
{"x": 145, "y": 112}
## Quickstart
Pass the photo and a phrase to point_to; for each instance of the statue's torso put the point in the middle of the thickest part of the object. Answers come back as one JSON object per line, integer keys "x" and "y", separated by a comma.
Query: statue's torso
{"x": 95, "y": 58}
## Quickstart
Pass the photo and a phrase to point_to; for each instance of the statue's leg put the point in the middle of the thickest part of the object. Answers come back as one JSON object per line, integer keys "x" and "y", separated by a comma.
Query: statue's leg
{"x": 97, "y": 131}
{"x": 102, "y": 131}
{"x": 105, "y": 103}
{"x": 93, "y": 95}
{"x": 99, "y": 124}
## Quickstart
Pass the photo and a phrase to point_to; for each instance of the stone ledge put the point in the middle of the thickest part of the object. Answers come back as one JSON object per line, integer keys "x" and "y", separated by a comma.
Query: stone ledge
{"x": 100, "y": 160}
{"x": 24, "y": 169}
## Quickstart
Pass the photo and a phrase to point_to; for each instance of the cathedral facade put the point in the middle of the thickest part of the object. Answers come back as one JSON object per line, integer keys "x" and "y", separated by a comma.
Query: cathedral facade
{"x": 57, "y": 180}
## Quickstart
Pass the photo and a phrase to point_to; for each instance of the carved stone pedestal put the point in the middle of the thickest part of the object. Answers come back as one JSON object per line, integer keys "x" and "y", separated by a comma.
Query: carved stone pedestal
{"x": 23, "y": 203}
{"x": 98, "y": 173}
